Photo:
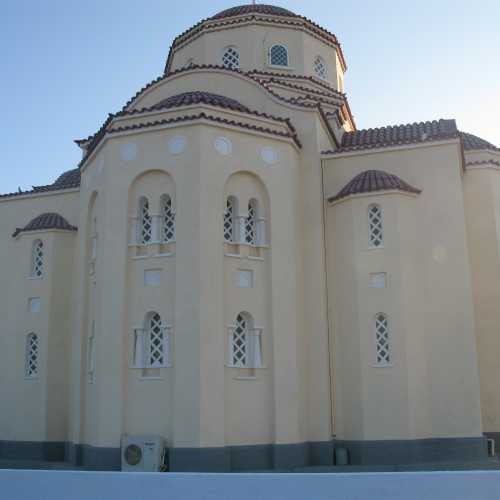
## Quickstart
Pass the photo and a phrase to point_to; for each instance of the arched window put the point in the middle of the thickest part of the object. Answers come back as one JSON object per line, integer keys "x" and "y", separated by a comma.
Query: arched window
{"x": 320, "y": 67}
{"x": 32, "y": 354}
{"x": 245, "y": 346}
{"x": 251, "y": 223}
{"x": 230, "y": 218}
{"x": 382, "y": 346}
{"x": 145, "y": 224}
{"x": 375, "y": 227}
{"x": 152, "y": 344}
{"x": 231, "y": 58}
{"x": 278, "y": 55}
{"x": 37, "y": 259}
{"x": 167, "y": 218}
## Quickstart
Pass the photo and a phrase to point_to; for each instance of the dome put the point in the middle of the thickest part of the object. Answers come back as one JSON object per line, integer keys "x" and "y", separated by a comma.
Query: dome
{"x": 473, "y": 142}
{"x": 190, "y": 98}
{"x": 240, "y": 10}
{"x": 372, "y": 181}
{"x": 49, "y": 220}
{"x": 70, "y": 178}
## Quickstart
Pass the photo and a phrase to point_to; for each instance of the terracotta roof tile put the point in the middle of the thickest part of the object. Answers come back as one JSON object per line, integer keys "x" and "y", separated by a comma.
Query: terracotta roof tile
{"x": 397, "y": 135}
{"x": 67, "y": 180}
{"x": 196, "y": 97}
{"x": 259, "y": 8}
{"x": 472, "y": 142}
{"x": 291, "y": 133}
{"x": 373, "y": 181}
{"x": 48, "y": 220}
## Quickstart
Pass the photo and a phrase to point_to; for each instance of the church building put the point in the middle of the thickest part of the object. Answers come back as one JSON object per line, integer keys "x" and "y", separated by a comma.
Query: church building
{"x": 237, "y": 269}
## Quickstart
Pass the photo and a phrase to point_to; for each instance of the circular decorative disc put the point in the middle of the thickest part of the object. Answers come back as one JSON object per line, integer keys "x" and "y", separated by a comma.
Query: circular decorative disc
{"x": 223, "y": 146}
{"x": 176, "y": 144}
{"x": 269, "y": 155}
{"x": 128, "y": 152}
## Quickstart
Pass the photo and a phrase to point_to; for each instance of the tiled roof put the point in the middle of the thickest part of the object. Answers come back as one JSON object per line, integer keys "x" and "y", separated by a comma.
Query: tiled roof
{"x": 290, "y": 133}
{"x": 259, "y": 8}
{"x": 67, "y": 180}
{"x": 472, "y": 142}
{"x": 189, "y": 98}
{"x": 371, "y": 181}
{"x": 397, "y": 135}
{"x": 49, "y": 220}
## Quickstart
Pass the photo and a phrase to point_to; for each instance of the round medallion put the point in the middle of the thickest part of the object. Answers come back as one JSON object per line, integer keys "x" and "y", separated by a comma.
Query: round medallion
{"x": 176, "y": 144}
{"x": 223, "y": 146}
{"x": 128, "y": 152}
{"x": 269, "y": 155}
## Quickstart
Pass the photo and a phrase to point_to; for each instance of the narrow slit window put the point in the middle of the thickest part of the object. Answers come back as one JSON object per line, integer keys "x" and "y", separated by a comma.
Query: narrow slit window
{"x": 382, "y": 345}
{"x": 32, "y": 355}
{"x": 168, "y": 219}
{"x": 251, "y": 223}
{"x": 229, "y": 219}
{"x": 145, "y": 225}
{"x": 375, "y": 227}
{"x": 37, "y": 259}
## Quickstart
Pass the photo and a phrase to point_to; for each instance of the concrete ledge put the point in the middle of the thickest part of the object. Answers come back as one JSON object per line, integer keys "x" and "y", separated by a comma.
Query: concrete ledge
{"x": 416, "y": 451}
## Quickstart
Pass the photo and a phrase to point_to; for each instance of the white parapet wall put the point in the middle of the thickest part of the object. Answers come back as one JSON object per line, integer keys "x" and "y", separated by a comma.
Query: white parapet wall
{"x": 76, "y": 485}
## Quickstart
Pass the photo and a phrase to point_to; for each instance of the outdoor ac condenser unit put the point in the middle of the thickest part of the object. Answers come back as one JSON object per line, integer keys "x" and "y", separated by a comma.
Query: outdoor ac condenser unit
{"x": 142, "y": 453}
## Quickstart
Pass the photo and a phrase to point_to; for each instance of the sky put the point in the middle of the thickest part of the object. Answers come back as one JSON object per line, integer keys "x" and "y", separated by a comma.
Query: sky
{"x": 66, "y": 64}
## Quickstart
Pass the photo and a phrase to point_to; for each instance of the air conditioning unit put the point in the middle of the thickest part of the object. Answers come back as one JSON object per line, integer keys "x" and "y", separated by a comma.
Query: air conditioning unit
{"x": 142, "y": 453}
{"x": 491, "y": 447}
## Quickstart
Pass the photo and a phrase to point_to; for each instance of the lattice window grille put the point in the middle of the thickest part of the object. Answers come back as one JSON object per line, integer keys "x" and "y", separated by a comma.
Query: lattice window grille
{"x": 375, "y": 230}
{"x": 239, "y": 342}
{"x": 229, "y": 221}
{"x": 168, "y": 220}
{"x": 320, "y": 68}
{"x": 278, "y": 55}
{"x": 32, "y": 352}
{"x": 146, "y": 223}
{"x": 231, "y": 58}
{"x": 382, "y": 340}
{"x": 251, "y": 225}
{"x": 37, "y": 271}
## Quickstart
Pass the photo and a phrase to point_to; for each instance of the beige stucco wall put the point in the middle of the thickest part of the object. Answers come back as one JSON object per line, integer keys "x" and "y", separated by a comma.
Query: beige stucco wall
{"x": 254, "y": 42}
{"x": 35, "y": 409}
{"x": 482, "y": 204}
{"x": 432, "y": 387}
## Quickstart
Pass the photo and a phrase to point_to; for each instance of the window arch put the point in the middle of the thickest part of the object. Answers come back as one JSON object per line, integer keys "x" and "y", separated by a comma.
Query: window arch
{"x": 167, "y": 219}
{"x": 278, "y": 55}
{"x": 31, "y": 367}
{"x": 375, "y": 227}
{"x": 251, "y": 222}
{"x": 320, "y": 67}
{"x": 152, "y": 343}
{"x": 245, "y": 347}
{"x": 382, "y": 345}
{"x": 231, "y": 57}
{"x": 37, "y": 259}
{"x": 145, "y": 223}
{"x": 230, "y": 219}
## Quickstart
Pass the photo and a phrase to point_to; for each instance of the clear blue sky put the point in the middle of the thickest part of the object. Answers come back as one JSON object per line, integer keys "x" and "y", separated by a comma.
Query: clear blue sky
{"x": 66, "y": 64}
